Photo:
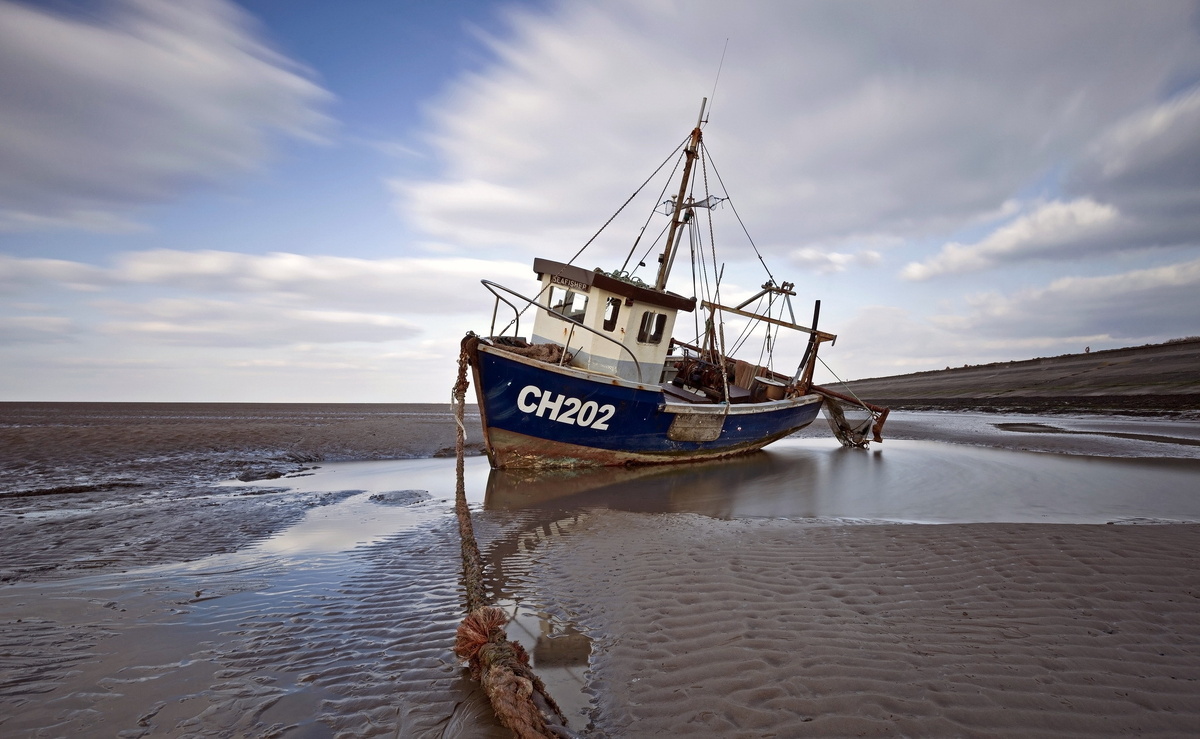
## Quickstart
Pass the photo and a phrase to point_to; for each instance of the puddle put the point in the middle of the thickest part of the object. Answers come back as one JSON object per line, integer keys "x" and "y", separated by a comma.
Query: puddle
{"x": 559, "y": 654}
{"x": 361, "y": 519}
{"x": 435, "y": 476}
{"x": 900, "y": 481}
{"x": 558, "y": 650}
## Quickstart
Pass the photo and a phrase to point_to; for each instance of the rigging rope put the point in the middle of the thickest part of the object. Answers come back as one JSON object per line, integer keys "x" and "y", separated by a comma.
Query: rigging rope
{"x": 712, "y": 96}
{"x": 739, "y": 218}
{"x": 712, "y": 242}
{"x": 661, "y": 193}
{"x": 601, "y": 230}
{"x": 650, "y": 248}
{"x": 746, "y": 330}
{"x": 630, "y": 199}
{"x": 843, "y": 382}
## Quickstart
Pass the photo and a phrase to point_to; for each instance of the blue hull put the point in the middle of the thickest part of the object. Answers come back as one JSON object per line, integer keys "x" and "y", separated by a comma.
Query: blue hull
{"x": 537, "y": 415}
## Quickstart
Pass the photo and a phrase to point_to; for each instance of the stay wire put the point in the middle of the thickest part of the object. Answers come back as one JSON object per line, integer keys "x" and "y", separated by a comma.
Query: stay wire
{"x": 712, "y": 96}
{"x": 661, "y": 194}
{"x": 695, "y": 291}
{"x": 627, "y": 202}
{"x": 649, "y": 249}
{"x": 713, "y": 245}
{"x": 844, "y": 384}
{"x": 745, "y": 335}
{"x": 601, "y": 229}
{"x": 739, "y": 219}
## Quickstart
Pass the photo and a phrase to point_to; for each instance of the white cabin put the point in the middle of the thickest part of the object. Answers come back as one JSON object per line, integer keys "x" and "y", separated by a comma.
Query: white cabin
{"x": 620, "y": 314}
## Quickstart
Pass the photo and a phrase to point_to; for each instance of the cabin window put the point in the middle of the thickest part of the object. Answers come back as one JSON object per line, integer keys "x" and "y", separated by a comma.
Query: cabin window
{"x": 651, "y": 331}
{"x": 611, "y": 310}
{"x": 568, "y": 302}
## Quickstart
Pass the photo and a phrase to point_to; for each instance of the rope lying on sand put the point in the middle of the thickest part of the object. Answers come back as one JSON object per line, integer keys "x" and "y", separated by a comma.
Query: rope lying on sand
{"x": 518, "y": 696}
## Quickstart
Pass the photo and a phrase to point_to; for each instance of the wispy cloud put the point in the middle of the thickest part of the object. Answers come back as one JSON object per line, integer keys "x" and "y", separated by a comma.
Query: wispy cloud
{"x": 36, "y": 329}
{"x": 1148, "y": 166}
{"x": 1121, "y": 309}
{"x": 907, "y": 121}
{"x": 410, "y": 285}
{"x": 1137, "y": 185}
{"x": 255, "y": 323}
{"x": 25, "y": 274}
{"x": 1054, "y": 230}
{"x": 231, "y": 299}
{"x": 100, "y": 114}
{"x": 1156, "y": 303}
{"x": 96, "y": 221}
{"x": 825, "y": 262}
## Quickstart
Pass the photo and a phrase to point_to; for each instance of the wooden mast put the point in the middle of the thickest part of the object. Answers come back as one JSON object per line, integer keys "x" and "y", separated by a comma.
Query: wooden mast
{"x": 677, "y": 218}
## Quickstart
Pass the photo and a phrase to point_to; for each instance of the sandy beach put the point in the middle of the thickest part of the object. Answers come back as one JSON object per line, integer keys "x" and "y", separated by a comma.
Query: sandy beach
{"x": 147, "y": 592}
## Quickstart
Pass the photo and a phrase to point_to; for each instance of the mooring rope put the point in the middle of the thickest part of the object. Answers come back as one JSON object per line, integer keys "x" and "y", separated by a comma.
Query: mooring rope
{"x": 845, "y": 384}
{"x": 501, "y": 667}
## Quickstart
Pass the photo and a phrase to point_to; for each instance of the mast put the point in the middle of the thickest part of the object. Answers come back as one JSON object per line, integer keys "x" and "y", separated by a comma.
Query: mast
{"x": 677, "y": 218}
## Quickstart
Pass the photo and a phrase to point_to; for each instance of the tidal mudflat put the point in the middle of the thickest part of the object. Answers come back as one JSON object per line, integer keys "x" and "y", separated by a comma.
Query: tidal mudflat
{"x": 957, "y": 587}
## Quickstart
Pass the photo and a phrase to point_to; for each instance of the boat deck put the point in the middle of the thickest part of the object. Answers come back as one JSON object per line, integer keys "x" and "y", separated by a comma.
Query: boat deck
{"x": 736, "y": 394}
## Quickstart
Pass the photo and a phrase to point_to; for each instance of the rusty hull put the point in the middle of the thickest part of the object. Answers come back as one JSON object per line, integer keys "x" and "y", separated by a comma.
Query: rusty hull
{"x": 509, "y": 450}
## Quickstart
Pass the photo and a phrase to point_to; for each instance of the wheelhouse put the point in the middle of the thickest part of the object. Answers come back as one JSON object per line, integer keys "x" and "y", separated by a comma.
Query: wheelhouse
{"x": 628, "y": 321}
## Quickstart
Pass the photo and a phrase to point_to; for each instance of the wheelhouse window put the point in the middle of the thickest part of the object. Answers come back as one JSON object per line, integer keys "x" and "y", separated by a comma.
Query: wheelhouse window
{"x": 568, "y": 302}
{"x": 651, "y": 330}
{"x": 612, "y": 309}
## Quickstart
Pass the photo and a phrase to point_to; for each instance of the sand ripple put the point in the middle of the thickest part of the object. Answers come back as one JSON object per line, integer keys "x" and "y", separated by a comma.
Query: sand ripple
{"x": 710, "y": 628}
{"x": 354, "y": 644}
{"x": 370, "y": 651}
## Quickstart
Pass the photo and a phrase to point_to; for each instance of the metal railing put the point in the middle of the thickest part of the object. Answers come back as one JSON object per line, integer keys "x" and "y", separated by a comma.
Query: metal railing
{"x": 493, "y": 286}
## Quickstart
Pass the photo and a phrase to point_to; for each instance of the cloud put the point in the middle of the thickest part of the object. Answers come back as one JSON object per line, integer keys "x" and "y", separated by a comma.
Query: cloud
{"x": 37, "y": 329}
{"x": 1148, "y": 166}
{"x": 402, "y": 284}
{"x": 230, "y": 299}
{"x": 21, "y": 273}
{"x": 882, "y": 341}
{"x": 207, "y": 322}
{"x": 1143, "y": 305}
{"x": 897, "y": 120}
{"x": 1156, "y": 148}
{"x": 136, "y": 104}
{"x": 1137, "y": 186}
{"x": 1054, "y": 230}
{"x": 96, "y": 221}
{"x": 825, "y": 262}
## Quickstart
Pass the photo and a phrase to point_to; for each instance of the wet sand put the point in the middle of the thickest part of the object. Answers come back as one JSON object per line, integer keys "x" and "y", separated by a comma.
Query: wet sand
{"x": 769, "y": 628}
{"x": 146, "y": 593}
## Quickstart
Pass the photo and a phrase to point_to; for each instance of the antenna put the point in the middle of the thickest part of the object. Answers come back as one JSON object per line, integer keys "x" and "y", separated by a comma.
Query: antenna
{"x": 713, "y": 95}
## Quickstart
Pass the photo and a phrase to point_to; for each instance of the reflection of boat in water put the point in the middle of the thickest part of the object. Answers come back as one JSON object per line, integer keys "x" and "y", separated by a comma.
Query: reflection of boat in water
{"x": 602, "y": 380}
{"x": 719, "y": 488}
{"x": 538, "y": 508}
{"x": 547, "y": 505}
{"x": 532, "y": 510}
{"x": 518, "y": 489}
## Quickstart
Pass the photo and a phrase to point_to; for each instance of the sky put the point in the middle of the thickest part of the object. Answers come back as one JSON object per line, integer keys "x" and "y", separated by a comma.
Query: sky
{"x": 295, "y": 200}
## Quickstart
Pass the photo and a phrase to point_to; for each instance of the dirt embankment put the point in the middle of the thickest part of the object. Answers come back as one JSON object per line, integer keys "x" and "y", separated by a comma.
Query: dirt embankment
{"x": 1160, "y": 378}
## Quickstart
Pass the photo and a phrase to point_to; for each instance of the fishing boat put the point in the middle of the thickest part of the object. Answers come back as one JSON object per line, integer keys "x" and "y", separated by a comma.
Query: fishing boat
{"x": 609, "y": 375}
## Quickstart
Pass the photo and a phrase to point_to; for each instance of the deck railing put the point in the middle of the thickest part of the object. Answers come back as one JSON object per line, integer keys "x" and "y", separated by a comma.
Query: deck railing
{"x": 493, "y": 286}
